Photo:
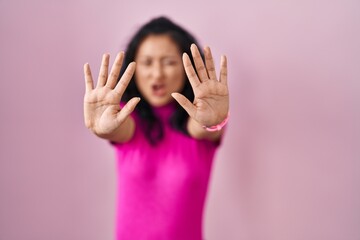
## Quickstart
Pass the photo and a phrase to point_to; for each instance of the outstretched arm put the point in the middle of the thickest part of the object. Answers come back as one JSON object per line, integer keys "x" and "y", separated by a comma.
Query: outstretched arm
{"x": 102, "y": 112}
{"x": 211, "y": 103}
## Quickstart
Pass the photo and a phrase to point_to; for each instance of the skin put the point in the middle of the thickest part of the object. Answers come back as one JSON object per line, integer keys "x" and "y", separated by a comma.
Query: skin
{"x": 158, "y": 64}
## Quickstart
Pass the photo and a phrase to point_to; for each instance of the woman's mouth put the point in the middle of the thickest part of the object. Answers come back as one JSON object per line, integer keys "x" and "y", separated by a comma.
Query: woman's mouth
{"x": 159, "y": 89}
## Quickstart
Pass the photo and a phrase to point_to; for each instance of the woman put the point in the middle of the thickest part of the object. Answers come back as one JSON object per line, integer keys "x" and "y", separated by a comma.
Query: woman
{"x": 164, "y": 147}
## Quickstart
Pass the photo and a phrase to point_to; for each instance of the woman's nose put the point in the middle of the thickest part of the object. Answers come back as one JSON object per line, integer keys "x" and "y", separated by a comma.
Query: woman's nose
{"x": 157, "y": 70}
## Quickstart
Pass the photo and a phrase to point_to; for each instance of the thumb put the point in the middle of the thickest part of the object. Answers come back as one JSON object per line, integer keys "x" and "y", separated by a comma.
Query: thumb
{"x": 127, "y": 109}
{"x": 185, "y": 103}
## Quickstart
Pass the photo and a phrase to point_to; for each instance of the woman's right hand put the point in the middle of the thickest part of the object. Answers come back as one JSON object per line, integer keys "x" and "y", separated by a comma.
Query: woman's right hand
{"x": 102, "y": 111}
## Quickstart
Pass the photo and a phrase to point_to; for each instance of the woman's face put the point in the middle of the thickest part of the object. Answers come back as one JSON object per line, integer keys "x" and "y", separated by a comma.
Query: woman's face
{"x": 159, "y": 69}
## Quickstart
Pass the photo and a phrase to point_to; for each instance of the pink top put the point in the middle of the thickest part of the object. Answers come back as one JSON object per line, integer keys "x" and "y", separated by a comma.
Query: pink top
{"x": 162, "y": 189}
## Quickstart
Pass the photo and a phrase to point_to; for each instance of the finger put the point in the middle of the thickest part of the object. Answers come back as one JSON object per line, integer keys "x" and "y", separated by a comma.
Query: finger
{"x": 190, "y": 72}
{"x": 199, "y": 64}
{"x": 89, "y": 83}
{"x": 125, "y": 79}
{"x": 127, "y": 109}
{"x": 103, "y": 70}
{"x": 185, "y": 103}
{"x": 115, "y": 71}
{"x": 223, "y": 70}
{"x": 209, "y": 61}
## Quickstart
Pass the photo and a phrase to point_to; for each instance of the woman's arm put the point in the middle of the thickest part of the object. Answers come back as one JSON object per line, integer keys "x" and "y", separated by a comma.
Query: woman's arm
{"x": 102, "y": 112}
{"x": 211, "y": 103}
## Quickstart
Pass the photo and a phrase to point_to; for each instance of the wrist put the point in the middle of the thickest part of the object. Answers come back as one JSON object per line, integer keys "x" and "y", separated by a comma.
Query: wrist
{"x": 219, "y": 126}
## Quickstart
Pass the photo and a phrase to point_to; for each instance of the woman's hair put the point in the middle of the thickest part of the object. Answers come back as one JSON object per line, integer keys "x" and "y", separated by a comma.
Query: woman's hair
{"x": 150, "y": 123}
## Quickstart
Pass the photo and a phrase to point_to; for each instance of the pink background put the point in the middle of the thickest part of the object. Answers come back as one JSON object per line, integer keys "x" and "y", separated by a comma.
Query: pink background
{"x": 289, "y": 167}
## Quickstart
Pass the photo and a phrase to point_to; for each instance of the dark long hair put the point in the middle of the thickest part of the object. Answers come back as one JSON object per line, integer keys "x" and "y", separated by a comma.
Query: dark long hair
{"x": 150, "y": 123}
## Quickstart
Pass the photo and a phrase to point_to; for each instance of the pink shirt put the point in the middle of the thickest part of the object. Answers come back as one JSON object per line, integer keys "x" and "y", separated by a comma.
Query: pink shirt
{"x": 162, "y": 189}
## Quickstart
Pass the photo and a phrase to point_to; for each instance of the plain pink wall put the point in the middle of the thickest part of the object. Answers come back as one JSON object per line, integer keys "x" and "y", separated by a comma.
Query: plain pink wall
{"x": 289, "y": 167}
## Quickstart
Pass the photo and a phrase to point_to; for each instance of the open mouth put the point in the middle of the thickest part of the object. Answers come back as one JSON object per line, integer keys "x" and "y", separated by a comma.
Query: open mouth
{"x": 158, "y": 89}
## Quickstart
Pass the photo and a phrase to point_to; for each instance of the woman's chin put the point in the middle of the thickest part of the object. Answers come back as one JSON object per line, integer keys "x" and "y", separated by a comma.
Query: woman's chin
{"x": 160, "y": 101}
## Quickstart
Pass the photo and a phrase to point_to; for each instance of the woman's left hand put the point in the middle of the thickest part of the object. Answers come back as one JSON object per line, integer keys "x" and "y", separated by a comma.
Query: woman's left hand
{"x": 211, "y": 102}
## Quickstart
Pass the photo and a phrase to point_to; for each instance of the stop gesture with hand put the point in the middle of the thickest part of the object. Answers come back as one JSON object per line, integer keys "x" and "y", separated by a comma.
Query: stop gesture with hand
{"x": 211, "y": 102}
{"x": 102, "y": 111}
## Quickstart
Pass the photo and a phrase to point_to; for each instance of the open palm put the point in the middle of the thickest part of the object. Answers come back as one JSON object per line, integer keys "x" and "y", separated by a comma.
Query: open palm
{"x": 102, "y": 112}
{"x": 211, "y": 102}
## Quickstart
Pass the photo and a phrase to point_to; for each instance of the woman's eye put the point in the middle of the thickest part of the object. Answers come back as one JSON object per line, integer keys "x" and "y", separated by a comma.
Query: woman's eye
{"x": 145, "y": 62}
{"x": 169, "y": 62}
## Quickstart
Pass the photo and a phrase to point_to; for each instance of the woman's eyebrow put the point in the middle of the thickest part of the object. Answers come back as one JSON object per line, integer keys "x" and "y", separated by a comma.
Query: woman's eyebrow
{"x": 164, "y": 55}
{"x": 171, "y": 56}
